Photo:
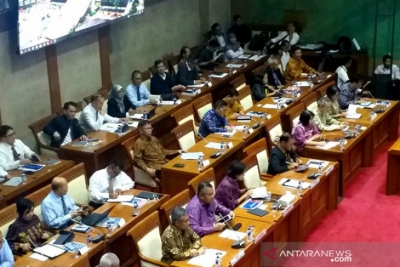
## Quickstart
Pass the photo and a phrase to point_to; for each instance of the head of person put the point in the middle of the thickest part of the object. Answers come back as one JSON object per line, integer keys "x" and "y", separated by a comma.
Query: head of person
{"x": 291, "y": 27}
{"x": 180, "y": 218}
{"x": 59, "y": 185}
{"x": 387, "y": 61}
{"x": 273, "y": 63}
{"x": 238, "y": 20}
{"x": 7, "y": 134}
{"x": 109, "y": 260}
{"x": 232, "y": 96}
{"x": 205, "y": 191}
{"x": 136, "y": 78}
{"x": 220, "y": 107}
{"x": 261, "y": 78}
{"x": 25, "y": 209}
{"x": 324, "y": 104}
{"x": 97, "y": 101}
{"x": 306, "y": 117}
{"x": 285, "y": 46}
{"x": 69, "y": 109}
{"x": 117, "y": 91}
{"x": 114, "y": 168}
{"x": 216, "y": 29}
{"x": 286, "y": 141}
{"x": 236, "y": 170}
{"x": 357, "y": 81}
{"x": 185, "y": 52}
{"x": 332, "y": 93}
{"x": 232, "y": 38}
{"x": 145, "y": 128}
{"x": 346, "y": 61}
{"x": 212, "y": 45}
{"x": 160, "y": 66}
{"x": 296, "y": 52}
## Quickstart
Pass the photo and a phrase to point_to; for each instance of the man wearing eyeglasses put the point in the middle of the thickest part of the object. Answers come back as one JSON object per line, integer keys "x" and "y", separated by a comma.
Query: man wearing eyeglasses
{"x": 6, "y": 256}
{"x": 13, "y": 152}
{"x": 214, "y": 120}
{"x": 108, "y": 183}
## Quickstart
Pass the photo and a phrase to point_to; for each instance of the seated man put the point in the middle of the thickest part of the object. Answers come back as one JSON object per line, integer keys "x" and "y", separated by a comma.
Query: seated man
{"x": 218, "y": 34}
{"x": 322, "y": 119}
{"x": 241, "y": 31}
{"x": 13, "y": 153}
{"x": 108, "y": 183}
{"x": 109, "y": 260}
{"x": 137, "y": 91}
{"x": 214, "y": 120}
{"x": 6, "y": 256}
{"x": 290, "y": 35}
{"x": 149, "y": 154}
{"x": 202, "y": 209}
{"x": 208, "y": 56}
{"x": 275, "y": 77}
{"x": 234, "y": 108}
{"x": 342, "y": 71}
{"x": 179, "y": 241}
{"x": 296, "y": 66}
{"x": 162, "y": 83}
{"x": 187, "y": 70}
{"x": 58, "y": 208}
{"x": 349, "y": 90}
{"x": 65, "y": 128}
{"x": 93, "y": 116}
{"x": 386, "y": 66}
{"x": 282, "y": 157}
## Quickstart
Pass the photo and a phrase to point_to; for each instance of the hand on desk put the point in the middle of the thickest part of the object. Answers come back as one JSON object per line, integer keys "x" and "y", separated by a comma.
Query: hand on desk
{"x": 193, "y": 252}
{"x": 25, "y": 161}
{"x": 113, "y": 195}
{"x": 292, "y": 166}
{"x": 232, "y": 214}
{"x": 181, "y": 151}
{"x": 25, "y": 247}
{"x": 299, "y": 161}
{"x": 83, "y": 138}
{"x": 203, "y": 80}
{"x": 77, "y": 213}
{"x": 153, "y": 101}
{"x": 122, "y": 120}
{"x": 45, "y": 236}
{"x": 202, "y": 251}
{"x": 228, "y": 128}
{"x": 219, "y": 227}
{"x": 118, "y": 191}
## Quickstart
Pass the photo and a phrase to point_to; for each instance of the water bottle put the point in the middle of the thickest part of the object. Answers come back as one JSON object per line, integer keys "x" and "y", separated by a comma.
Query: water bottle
{"x": 230, "y": 71}
{"x": 88, "y": 240}
{"x": 299, "y": 189}
{"x": 222, "y": 147}
{"x": 309, "y": 80}
{"x": 294, "y": 95}
{"x": 48, "y": 162}
{"x": 358, "y": 129}
{"x": 387, "y": 103}
{"x": 23, "y": 176}
{"x": 244, "y": 132}
{"x": 245, "y": 64}
{"x": 108, "y": 228}
{"x": 371, "y": 115}
{"x": 175, "y": 102}
{"x": 342, "y": 144}
{"x": 119, "y": 130}
{"x": 160, "y": 102}
{"x": 144, "y": 115}
{"x": 278, "y": 105}
{"x": 135, "y": 209}
{"x": 320, "y": 169}
{"x": 76, "y": 253}
{"x": 200, "y": 163}
{"x": 90, "y": 141}
{"x": 249, "y": 237}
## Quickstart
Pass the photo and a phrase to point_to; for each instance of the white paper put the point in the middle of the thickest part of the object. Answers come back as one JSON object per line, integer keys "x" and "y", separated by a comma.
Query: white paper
{"x": 213, "y": 145}
{"x": 133, "y": 123}
{"x": 255, "y": 57}
{"x": 314, "y": 163}
{"x": 263, "y": 207}
{"x": 227, "y": 133}
{"x": 109, "y": 127}
{"x": 244, "y": 56}
{"x": 196, "y": 85}
{"x": 302, "y": 83}
{"x": 363, "y": 128}
{"x": 192, "y": 155}
{"x": 219, "y": 76}
{"x": 259, "y": 192}
{"x": 329, "y": 145}
{"x": 137, "y": 116}
{"x": 353, "y": 116}
{"x": 207, "y": 259}
{"x": 236, "y": 66}
{"x": 240, "y": 127}
{"x": 206, "y": 162}
{"x": 352, "y": 109}
{"x": 39, "y": 257}
{"x": 209, "y": 84}
{"x": 83, "y": 250}
{"x": 234, "y": 235}
{"x": 170, "y": 102}
{"x": 121, "y": 198}
{"x": 121, "y": 222}
{"x": 270, "y": 106}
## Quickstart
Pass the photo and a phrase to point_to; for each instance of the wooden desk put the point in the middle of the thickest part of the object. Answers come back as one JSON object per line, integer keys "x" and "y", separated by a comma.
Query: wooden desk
{"x": 65, "y": 259}
{"x": 393, "y": 170}
{"x": 175, "y": 180}
{"x": 34, "y": 181}
{"x": 251, "y": 257}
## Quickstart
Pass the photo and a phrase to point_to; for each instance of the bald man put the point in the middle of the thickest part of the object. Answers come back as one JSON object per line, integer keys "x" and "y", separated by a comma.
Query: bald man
{"x": 58, "y": 208}
{"x": 109, "y": 260}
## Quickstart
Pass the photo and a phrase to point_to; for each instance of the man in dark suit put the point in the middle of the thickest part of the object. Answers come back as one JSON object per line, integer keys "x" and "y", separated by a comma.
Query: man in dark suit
{"x": 275, "y": 77}
{"x": 242, "y": 32}
{"x": 65, "y": 128}
{"x": 162, "y": 83}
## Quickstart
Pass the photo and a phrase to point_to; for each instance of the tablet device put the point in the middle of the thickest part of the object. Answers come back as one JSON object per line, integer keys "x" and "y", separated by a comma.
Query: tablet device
{"x": 258, "y": 212}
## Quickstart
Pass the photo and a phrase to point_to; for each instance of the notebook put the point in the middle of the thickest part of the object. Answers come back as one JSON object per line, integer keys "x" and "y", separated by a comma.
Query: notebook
{"x": 15, "y": 181}
{"x": 258, "y": 212}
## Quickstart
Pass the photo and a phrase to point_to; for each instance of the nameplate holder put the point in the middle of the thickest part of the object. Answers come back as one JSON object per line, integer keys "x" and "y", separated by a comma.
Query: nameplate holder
{"x": 234, "y": 71}
{"x": 313, "y": 184}
{"x": 209, "y": 84}
{"x": 83, "y": 250}
{"x": 237, "y": 257}
{"x": 251, "y": 130}
{"x": 121, "y": 222}
{"x": 206, "y": 163}
{"x": 287, "y": 210}
{"x": 230, "y": 145}
{"x": 329, "y": 170}
{"x": 268, "y": 116}
{"x": 259, "y": 105}
{"x": 260, "y": 236}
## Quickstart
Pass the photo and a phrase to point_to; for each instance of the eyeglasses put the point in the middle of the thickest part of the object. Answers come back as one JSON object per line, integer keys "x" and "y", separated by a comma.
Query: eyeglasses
{"x": 12, "y": 134}
{"x": 148, "y": 129}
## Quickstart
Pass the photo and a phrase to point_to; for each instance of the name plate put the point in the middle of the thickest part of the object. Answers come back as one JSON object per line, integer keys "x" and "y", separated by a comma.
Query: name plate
{"x": 83, "y": 250}
{"x": 268, "y": 116}
{"x": 230, "y": 145}
{"x": 313, "y": 184}
{"x": 234, "y": 71}
{"x": 287, "y": 210}
{"x": 251, "y": 130}
{"x": 328, "y": 171}
{"x": 237, "y": 257}
{"x": 260, "y": 236}
{"x": 121, "y": 222}
{"x": 209, "y": 84}
{"x": 206, "y": 163}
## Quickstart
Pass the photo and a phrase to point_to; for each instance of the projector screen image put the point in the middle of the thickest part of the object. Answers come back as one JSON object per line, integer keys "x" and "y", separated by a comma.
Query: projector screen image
{"x": 46, "y": 22}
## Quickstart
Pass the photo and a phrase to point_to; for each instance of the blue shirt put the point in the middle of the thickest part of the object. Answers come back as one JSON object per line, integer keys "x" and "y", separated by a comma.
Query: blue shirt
{"x": 6, "y": 256}
{"x": 131, "y": 93}
{"x": 53, "y": 210}
{"x": 212, "y": 123}
{"x": 347, "y": 95}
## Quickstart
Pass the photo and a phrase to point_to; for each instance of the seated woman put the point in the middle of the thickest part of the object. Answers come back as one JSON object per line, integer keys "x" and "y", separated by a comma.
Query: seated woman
{"x": 118, "y": 103}
{"x": 333, "y": 94}
{"x": 27, "y": 230}
{"x": 261, "y": 89}
{"x": 232, "y": 48}
{"x": 306, "y": 132}
{"x": 228, "y": 192}
{"x": 234, "y": 108}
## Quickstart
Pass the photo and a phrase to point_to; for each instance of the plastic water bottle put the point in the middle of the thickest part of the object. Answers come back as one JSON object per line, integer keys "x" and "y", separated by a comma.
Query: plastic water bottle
{"x": 200, "y": 163}
{"x": 342, "y": 144}
{"x": 88, "y": 240}
{"x": 144, "y": 115}
{"x": 160, "y": 102}
{"x": 230, "y": 71}
{"x": 90, "y": 141}
{"x": 175, "y": 102}
{"x": 108, "y": 228}
{"x": 48, "y": 162}
{"x": 309, "y": 80}
{"x": 320, "y": 169}
{"x": 135, "y": 209}
{"x": 222, "y": 147}
{"x": 299, "y": 189}
{"x": 371, "y": 115}
{"x": 387, "y": 103}
{"x": 358, "y": 129}
{"x": 23, "y": 176}
{"x": 249, "y": 235}
{"x": 244, "y": 132}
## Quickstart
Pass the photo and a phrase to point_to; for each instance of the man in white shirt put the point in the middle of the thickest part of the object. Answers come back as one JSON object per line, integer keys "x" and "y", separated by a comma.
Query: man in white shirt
{"x": 385, "y": 68}
{"x": 93, "y": 117}
{"x": 342, "y": 71}
{"x": 109, "y": 183}
{"x": 290, "y": 35}
{"x": 13, "y": 153}
{"x": 285, "y": 54}
{"x": 137, "y": 91}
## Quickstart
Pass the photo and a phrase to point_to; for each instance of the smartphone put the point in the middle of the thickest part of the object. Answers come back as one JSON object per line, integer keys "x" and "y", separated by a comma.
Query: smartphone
{"x": 225, "y": 219}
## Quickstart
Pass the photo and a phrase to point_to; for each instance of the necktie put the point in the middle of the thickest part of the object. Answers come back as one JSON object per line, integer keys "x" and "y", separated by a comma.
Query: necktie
{"x": 138, "y": 93}
{"x": 277, "y": 81}
{"x": 65, "y": 209}
{"x": 97, "y": 115}
{"x": 111, "y": 186}
{"x": 15, "y": 154}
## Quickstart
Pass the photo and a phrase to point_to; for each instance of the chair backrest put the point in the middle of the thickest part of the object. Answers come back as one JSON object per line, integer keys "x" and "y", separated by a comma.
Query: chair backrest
{"x": 245, "y": 97}
{"x": 41, "y": 138}
{"x": 309, "y": 99}
{"x": 146, "y": 77}
{"x": 202, "y": 105}
{"x": 146, "y": 235}
{"x": 180, "y": 200}
{"x": 83, "y": 261}
{"x": 185, "y": 114}
{"x": 251, "y": 174}
{"x": 260, "y": 149}
{"x": 273, "y": 130}
{"x": 185, "y": 135}
{"x": 294, "y": 114}
{"x": 239, "y": 82}
{"x": 173, "y": 62}
{"x": 7, "y": 217}
{"x": 322, "y": 90}
{"x": 207, "y": 176}
{"x": 129, "y": 146}
{"x": 77, "y": 183}
{"x": 37, "y": 199}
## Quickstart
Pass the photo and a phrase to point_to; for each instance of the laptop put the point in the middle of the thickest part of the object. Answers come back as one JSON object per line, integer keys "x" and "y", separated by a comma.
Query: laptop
{"x": 151, "y": 113}
{"x": 94, "y": 218}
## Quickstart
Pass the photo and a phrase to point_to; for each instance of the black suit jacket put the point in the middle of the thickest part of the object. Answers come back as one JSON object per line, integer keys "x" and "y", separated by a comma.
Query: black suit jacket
{"x": 113, "y": 109}
{"x": 271, "y": 79}
{"x": 61, "y": 124}
{"x": 159, "y": 86}
{"x": 186, "y": 77}
{"x": 277, "y": 161}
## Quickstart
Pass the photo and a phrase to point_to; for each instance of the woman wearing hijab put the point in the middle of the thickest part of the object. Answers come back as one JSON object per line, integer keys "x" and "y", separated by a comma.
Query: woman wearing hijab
{"x": 232, "y": 48}
{"x": 118, "y": 103}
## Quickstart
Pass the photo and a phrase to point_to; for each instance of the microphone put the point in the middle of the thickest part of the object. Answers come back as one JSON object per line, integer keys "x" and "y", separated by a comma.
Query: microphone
{"x": 216, "y": 154}
{"x": 203, "y": 137}
{"x": 240, "y": 242}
